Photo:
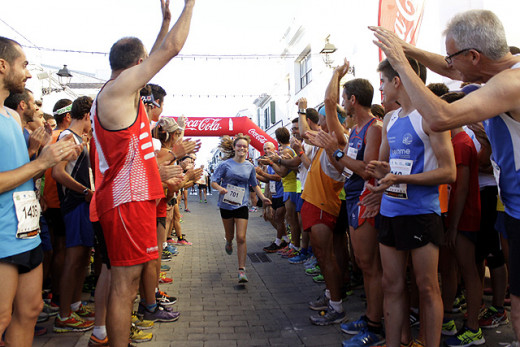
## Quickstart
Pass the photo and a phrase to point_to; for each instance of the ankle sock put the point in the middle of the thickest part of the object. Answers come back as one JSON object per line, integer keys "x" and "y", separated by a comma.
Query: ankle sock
{"x": 327, "y": 294}
{"x": 75, "y": 306}
{"x": 152, "y": 307}
{"x": 100, "y": 332}
{"x": 278, "y": 242}
{"x": 336, "y": 305}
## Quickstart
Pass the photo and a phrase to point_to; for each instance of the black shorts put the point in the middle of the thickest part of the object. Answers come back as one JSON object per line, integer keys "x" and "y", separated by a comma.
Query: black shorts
{"x": 513, "y": 238}
{"x": 488, "y": 240}
{"x": 410, "y": 232}
{"x": 202, "y": 186}
{"x": 251, "y": 190}
{"x": 342, "y": 221}
{"x": 276, "y": 203}
{"x": 54, "y": 219}
{"x": 99, "y": 244}
{"x": 241, "y": 213}
{"x": 26, "y": 261}
{"x": 161, "y": 221}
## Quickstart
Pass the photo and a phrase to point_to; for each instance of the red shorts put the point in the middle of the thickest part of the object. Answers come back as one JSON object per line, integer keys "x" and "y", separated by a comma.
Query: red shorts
{"x": 312, "y": 215}
{"x": 130, "y": 232}
{"x": 161, "y": 208}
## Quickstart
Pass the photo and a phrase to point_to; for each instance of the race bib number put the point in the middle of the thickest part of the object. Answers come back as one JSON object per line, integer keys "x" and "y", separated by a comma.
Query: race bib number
{"x": 272, "y": 187}
{"x": 28, "y": 214}
{"x": 496, "y": 173}
{"x": 351, "y": 153}
{"x": 399, "y": 167}
{"x": 234, "y": 195}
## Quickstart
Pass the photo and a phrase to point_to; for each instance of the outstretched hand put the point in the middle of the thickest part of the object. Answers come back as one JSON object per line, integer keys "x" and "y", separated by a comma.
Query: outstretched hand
{"x": 165, "y": 9}
{"x": 391, "y": 45}
{"x": 342, "y": 70}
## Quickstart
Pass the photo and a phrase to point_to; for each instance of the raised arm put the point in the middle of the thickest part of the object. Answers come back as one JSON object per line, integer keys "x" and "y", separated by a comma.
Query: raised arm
{"x": 167, "y": 17}
{"x": 332, "y": 100}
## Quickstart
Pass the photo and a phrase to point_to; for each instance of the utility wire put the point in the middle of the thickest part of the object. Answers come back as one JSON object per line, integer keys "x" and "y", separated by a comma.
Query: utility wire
{"x": 19, "y": 33}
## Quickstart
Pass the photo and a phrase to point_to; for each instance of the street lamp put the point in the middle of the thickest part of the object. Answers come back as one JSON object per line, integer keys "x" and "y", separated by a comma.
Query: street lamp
{"x": 327, "y": 52}
{"x": 64, "y": 76}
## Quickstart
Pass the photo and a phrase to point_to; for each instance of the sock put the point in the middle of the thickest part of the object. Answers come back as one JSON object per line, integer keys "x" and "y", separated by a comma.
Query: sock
{"x": 376, "y": 329}
{"x": 336, "y": 305}
{"x": 164, "y": 245}
{"x": 292, "y": 246}
{"x": 75, "y": 306}
{"x": 278, "y": 242}
{"x": 327, "y": 294}
{"x": 152, "y": 307}
{"x": 285, "y": 238}
{"x": 100, "y": 332}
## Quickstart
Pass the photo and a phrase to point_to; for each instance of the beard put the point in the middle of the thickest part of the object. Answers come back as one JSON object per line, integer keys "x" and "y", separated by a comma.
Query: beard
{"x": 14, "y": 84}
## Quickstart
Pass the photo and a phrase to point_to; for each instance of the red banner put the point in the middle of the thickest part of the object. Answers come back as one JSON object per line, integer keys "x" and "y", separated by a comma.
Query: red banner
{"x": 219, "y": 126}
{"x": 402, "y": 17}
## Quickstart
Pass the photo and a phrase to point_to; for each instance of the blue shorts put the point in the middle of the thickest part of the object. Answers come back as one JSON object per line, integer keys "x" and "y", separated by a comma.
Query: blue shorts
{"x": 78, "y": 227}
{"x": 295, "y": 198}
{"x": 45, "y": 235}
{"x": 500, "y": 224}
{"x": 353, "y": 212}
{"x": 299, "y": 204}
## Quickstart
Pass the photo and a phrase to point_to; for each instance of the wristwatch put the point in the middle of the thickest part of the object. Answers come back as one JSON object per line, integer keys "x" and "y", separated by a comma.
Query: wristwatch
{"x": 85, "y": 191}
{"x": 338, "y": 154}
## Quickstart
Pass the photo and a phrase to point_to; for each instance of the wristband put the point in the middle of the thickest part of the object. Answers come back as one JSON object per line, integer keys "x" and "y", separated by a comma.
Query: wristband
{"x": 301, "y": 153}
{"x": 301, "y": 111}
{"x": 85, "y": 191}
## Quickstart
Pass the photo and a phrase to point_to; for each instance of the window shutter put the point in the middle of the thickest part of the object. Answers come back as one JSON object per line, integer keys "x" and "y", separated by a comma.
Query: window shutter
{"x": 273, "y": 113}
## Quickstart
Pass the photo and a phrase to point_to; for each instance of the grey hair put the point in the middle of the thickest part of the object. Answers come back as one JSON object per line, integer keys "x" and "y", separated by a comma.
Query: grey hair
{"x": 481, "y": 30}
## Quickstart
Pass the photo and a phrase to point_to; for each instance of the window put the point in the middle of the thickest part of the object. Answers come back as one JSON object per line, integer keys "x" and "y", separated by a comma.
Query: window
{"x": 305, "y": 70}
{"x": 267, "y": 117}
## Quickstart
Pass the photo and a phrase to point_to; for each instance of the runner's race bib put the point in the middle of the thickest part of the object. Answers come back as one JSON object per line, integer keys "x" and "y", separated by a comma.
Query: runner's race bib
{"x": 272, "y": 187}
{"x": 234, "y": 195}
{"x": 399, "y": 167}
{"x": 28, "y": 214}
{"x": 351, "y": 153}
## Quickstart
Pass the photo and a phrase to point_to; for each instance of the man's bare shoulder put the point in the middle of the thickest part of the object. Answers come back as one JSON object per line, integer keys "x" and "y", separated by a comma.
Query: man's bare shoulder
{"x": 116, "y": 109}
{"x": 14, "y": 114}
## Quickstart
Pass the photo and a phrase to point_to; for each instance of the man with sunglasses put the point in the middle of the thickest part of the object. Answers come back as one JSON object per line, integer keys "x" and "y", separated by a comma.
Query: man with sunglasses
{"x": 477, "y": 51}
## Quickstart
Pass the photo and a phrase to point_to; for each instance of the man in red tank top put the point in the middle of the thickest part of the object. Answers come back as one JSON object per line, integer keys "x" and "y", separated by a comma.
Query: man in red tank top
{"x": 126, "y": 197}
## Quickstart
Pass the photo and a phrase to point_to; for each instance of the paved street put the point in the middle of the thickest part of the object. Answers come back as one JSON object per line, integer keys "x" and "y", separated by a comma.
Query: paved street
{"x": 270, "y": 310}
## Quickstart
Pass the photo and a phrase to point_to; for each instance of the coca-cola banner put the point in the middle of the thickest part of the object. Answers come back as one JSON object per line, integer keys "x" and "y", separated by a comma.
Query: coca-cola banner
{"x": 219, "y": 126}
{"x": 402, "y": 17}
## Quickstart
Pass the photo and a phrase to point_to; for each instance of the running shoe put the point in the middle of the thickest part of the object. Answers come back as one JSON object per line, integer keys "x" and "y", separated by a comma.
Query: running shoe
{"x": 160, "y": 314}
{"x": 205, "y": 201}
{"x": 465, "y": 338}
{"x": 95, "y": 342}
{"x": 364, "y": 338}
{"x": 187, "y": 210}
{"x": 50, "y": 310}
{"x": 242, "y": 278}
{"x": 273, "y": 247}
{"x": 459, "y": 304}
{"x": 166, "y": 256}
{"x": 356, "y": 326}
{"x": 164, "y": 299}
{"x": 163, "y": 279}
{"x": 283, "y": 250}
{"x": 85, "y": 313}
{"x": 165, "y": 268}
{"x": 311, "y": 262}
{"x": 293, "y": 253}
{"x": 137, "y": 335}
{"x": 321, "y": 303}
{"x": 39, "y": 331}
{"x": 329, "y": 317}
{"x": 414, "y": 319}
{"x": 299, "y": 259}
{"x": 319, "y": 279}
{"x": 141, "y": 323}
{"x": 229, "y": 248}
{"x": 183, "y": 242}
{"x": 449, "y": 328}
{"x": 492, "y": 318}
{"x": 42, "y": 317}
{"x": 71, "y": 324}
{"x": 172, "y": 249}
{"x": 314, "y": 271}
{"x": 514, "y": 344}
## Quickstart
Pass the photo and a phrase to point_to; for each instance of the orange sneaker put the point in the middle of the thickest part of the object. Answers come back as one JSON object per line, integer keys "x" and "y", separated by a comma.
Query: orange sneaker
{"x": 71, "y": 324}
{"x": 95, "y": 342}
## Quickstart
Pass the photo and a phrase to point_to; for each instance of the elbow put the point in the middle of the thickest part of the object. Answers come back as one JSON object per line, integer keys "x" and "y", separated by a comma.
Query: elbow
{"x": 438, "y": 125}
{"x": 330, "y": 100}
{"x": 451, "y": 176}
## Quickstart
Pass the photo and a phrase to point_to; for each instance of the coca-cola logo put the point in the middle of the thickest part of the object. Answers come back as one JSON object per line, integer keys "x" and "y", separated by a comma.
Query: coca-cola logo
{"x": 260, "y": 138}
{"x": 206, "y": 124}
{"x": 407, "y": 18}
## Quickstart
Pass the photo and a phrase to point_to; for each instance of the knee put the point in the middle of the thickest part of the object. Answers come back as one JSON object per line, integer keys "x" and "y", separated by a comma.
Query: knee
{"x": 428, "y": 289}
{"x": 393, "y": 285}
{"x": 29, "y": 310}
{"x": 241, "y": 240}
{"x": 5, "y": 320}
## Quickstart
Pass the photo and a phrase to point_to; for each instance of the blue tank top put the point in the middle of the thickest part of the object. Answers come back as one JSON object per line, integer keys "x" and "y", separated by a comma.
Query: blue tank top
{"x": 14, "y": 155}
{"x": 356, "y": 150}
{"x": 504, "y": 136}
{"x": 410, "y": 153}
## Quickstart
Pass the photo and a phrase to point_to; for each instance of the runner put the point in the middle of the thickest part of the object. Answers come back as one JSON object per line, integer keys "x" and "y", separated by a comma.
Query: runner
{"x": 232, "y": 179}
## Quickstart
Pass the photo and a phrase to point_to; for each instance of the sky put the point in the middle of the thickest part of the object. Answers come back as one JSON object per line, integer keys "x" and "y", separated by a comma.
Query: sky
{"x": 219, "y": 27}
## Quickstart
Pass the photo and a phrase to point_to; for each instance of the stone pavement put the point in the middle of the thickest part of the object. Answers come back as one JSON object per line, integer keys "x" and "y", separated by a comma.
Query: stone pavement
{"x": 270, "y": 310}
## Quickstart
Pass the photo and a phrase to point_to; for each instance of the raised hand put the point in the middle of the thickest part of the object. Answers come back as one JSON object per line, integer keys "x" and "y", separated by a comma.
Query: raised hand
{"x": 165, "y": 9}
{"x": 391, "y": 45}
{"x": 65, "y": 149}
{"x": 37, "y": 139}
{"x": 168, "y": 172}
{"x": 181, "y": 148}
{"x": 342, "y": 70}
